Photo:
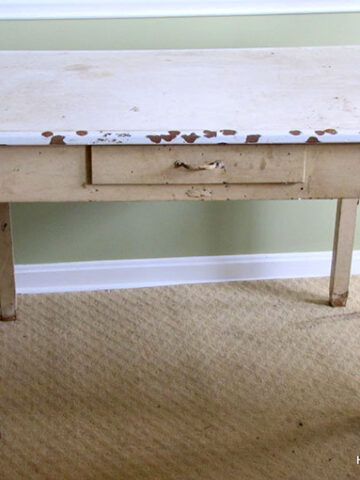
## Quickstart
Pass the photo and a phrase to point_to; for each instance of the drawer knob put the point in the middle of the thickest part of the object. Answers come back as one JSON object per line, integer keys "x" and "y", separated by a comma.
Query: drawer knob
{"x": 218, "y": 164}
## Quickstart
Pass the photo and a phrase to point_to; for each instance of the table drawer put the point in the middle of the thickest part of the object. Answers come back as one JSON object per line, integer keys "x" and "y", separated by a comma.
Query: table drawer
{"x": 198, "y": 164}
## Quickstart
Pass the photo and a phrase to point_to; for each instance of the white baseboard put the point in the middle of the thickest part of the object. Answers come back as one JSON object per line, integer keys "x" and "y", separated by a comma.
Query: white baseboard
{"x": 100, "y": 275}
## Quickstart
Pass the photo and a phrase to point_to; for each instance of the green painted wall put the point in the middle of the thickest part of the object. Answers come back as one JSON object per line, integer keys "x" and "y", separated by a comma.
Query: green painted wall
{"x": 74, "y": 232}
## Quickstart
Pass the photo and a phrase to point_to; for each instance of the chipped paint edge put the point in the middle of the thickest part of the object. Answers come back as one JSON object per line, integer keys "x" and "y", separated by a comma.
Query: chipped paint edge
{"x": 179, "y": 137}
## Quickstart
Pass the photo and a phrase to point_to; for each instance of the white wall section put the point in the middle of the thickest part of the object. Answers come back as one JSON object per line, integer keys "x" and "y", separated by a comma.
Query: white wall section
{"x": 55, "y": 9}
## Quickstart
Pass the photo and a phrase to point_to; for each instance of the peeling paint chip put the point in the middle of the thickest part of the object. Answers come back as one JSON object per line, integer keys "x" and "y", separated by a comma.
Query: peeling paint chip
{"x": 168, "y": 137}
{"x": 228, "y": 132}
{"x": 190, "y": 138}
{"x": 154, "y": 138}
{"x": 295, "y": 132}
{"x": 210, "y": 133}
{"x": 171, "y": 135}
{"x": 47, "y": 134}
{"x": 252, "y": 138}
{"x": 332, "y": 131}
{"x": 57, "y": 140}
{"x": 312, "y": 140}
{"x": 81, "y": 133}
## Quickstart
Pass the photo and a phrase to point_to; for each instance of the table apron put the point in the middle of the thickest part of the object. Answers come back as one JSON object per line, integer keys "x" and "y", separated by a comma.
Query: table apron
{"x": 74, "y": 173}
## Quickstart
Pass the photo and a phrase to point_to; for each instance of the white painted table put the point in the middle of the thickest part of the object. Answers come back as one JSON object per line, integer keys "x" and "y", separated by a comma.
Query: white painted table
{"x": 219, "y": 124}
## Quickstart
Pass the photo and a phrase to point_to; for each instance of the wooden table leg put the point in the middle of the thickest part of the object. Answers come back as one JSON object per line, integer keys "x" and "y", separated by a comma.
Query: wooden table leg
{"x": 342, "y": 251}
{"x": 7, "y": 276}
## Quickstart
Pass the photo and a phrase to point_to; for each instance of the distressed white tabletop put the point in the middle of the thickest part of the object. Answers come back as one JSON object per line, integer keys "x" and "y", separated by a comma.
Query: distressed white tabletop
{"x": 262, "y": 95}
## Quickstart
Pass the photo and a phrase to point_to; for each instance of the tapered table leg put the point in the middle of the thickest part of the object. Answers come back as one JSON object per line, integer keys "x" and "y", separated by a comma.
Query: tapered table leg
{"x": 342, "y": 251}
{"x": 7, "y": 277}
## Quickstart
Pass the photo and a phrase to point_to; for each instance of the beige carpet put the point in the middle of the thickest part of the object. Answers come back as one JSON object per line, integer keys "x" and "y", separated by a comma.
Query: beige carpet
{"x": 255, "y": 380}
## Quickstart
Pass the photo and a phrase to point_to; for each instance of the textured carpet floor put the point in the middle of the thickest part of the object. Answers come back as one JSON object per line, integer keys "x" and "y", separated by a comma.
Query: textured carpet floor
{"x": 245, "y": 381}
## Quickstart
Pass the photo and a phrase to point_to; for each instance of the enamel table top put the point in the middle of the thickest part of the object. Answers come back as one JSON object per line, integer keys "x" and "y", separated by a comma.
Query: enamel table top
{"x": 260, "y": 95}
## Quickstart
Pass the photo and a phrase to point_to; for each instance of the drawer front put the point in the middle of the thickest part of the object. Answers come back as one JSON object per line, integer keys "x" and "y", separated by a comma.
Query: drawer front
{"x": 198, "y": 164}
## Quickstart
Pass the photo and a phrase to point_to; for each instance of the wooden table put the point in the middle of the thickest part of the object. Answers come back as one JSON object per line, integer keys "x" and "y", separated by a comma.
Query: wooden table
{"x": 223, "y": 124}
